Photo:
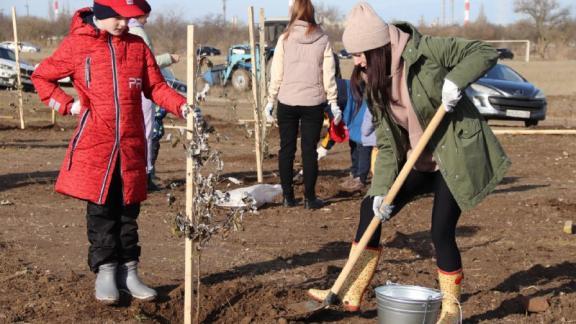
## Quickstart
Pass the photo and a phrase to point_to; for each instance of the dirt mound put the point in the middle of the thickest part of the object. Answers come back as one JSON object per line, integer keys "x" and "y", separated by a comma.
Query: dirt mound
{"x": 512, "y": 244}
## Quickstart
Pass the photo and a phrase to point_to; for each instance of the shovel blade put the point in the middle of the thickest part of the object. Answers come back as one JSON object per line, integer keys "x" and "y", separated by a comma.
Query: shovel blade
{"x": 303, "y": 309}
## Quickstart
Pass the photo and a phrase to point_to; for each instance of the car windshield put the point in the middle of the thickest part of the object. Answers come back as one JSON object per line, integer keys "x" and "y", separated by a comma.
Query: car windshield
{"x": 502, "y": 72}
{"x": 7, "y": 54}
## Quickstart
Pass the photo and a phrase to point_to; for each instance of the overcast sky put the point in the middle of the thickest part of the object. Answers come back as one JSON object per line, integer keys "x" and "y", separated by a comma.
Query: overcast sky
{"x": 498, "y": 11}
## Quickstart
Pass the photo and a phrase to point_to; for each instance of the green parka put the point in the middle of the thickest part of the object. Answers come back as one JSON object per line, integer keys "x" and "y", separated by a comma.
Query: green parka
{"x": 466, "y": 150}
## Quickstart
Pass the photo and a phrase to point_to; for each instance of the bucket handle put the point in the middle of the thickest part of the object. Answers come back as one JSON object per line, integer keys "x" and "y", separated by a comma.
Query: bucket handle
{"x": 390, "y": 283}
{"x": 457, "y": 303}
{"x": 459, "y": 307}
{"x": 426, "y": 311}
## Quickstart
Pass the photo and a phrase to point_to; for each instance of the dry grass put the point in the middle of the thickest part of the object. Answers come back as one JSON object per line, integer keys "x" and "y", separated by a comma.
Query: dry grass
{"x": 553, "y": 77}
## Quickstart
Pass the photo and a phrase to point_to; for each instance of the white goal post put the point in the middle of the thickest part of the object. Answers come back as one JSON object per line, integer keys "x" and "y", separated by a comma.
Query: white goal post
{"x": 525, "y": 41}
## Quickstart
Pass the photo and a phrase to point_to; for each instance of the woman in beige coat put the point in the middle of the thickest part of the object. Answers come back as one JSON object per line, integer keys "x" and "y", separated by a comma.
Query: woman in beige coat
{"x": 302, "y": 81}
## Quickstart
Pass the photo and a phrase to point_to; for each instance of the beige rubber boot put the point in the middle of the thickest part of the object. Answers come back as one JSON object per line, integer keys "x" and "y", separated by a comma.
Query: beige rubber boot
{"x": 451, "y": 286}
{"x": 356, "y": 283}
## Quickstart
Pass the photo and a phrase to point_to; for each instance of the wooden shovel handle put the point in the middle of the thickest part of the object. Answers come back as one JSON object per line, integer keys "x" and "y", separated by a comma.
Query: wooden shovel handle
{"x": 390, "y": 196}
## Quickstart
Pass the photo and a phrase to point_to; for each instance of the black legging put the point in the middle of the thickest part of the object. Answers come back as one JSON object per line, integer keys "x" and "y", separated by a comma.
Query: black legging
{"x": 309, "y": 121}
{"x": 445, "y": 215}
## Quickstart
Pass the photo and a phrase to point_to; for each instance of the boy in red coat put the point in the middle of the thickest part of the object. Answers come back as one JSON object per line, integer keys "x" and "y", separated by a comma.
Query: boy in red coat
{"x": 105, "y": 163}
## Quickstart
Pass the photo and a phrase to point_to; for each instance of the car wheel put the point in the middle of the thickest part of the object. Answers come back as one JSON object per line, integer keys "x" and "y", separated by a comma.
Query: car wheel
{"x": 241, "y": 80}
{"x": 530, "y": 123}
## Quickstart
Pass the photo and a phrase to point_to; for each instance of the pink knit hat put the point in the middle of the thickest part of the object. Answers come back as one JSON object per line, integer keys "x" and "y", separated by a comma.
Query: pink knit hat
{"x": 365, "y": 30}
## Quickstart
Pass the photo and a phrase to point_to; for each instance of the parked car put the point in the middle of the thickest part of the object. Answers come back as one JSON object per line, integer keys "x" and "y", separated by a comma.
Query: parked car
{"x": 505, "y": 53}
{"x": 343, "y": 54}
{"x": 8, "y": 76}
{"x": 207, "y": 51}
{"x": 503, "y": 93}
{"x": 23, "y": 46}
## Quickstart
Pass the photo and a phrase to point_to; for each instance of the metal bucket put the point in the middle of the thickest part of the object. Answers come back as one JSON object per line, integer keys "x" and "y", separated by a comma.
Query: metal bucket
{"x": 400, "y": 304}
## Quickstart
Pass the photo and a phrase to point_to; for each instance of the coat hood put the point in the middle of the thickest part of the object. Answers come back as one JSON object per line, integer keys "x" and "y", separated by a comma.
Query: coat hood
{"x": 298, "y": 33}
{"x": 413, "y": 43}
{"x": 83, "y": 23}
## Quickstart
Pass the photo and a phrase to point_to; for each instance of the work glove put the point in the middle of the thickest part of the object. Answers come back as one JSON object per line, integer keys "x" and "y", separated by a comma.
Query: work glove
{"x": 175, "y": 58}
{"x": 450, "y": 95}
{"x": 322, "y": 152}
{"x": 336, "y": 113}
{"x": 384, "y": 212}
{"x": 269, "y": 111}
{"x": 76, "y": 107}
{"x": 201, "y": 96}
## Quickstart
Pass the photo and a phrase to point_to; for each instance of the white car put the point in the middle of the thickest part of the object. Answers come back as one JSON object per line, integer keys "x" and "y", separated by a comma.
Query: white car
{"x": 24, "y": 47}
{"x": 8, "y": 71}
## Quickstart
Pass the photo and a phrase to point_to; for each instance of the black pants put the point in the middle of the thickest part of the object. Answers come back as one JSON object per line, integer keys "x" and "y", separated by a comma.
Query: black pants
{"x": 309, "y": 120}
{"x": 112, "y": 228}
{"x": 155, "y": 151}
{"x": 361, "y": 157}
{"x": 445, "y": 215}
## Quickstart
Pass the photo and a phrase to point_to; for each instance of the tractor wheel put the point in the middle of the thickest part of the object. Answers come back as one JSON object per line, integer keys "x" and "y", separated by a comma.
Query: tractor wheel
{"x": 241, "y": 80}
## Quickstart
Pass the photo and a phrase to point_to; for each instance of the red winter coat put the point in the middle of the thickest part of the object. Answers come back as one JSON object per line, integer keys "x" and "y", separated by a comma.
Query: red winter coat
{"x": 109, "y": 73}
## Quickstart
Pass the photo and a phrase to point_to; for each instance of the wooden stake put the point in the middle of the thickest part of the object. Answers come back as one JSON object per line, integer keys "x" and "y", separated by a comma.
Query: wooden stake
{"x": 190, "y": 176}
{"x": 535, "y": 131}
{"x": 53, "y": 117}
{"x": 263, "y": 76}
{"x": 18, "y": 77}
{"x": 255, "y": 93}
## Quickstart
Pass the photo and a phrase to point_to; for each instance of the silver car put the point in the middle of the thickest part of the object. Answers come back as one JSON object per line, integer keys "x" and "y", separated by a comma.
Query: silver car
{"x": 504, "y": 94}
{"x": 8, "y": 69}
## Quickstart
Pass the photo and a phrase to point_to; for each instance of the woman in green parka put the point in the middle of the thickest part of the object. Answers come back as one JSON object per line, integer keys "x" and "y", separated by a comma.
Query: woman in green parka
{"x": 409, "y": 76}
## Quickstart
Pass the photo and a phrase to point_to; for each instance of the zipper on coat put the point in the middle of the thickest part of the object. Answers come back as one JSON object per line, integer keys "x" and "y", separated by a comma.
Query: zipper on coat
{"x": 76, "y": 139}
{"x": 87, "y": 72}
{"x": 117, "y": 107}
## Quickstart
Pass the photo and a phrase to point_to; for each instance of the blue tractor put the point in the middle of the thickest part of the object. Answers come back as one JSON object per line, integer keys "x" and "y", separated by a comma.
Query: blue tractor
{"x": 238, "y": 67}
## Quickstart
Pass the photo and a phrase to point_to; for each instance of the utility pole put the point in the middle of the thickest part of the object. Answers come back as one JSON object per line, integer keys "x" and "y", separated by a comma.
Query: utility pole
{"x": 224, "y": 10}
{"x": 27, "y": 9}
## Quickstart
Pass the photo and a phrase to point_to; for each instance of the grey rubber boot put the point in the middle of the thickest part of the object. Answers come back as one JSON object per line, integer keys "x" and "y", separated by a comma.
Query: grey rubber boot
{"x": 105, "y": 287}
{"x": 129, "y": 281}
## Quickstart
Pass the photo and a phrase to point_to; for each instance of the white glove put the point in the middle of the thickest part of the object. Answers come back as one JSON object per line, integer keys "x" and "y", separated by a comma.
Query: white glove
{"x": 269, "y": 111}
{"x": 383, "y": 212}
{"x": 450, "y": 95}
{"x": 322, "y": 152}
{"x": 201, "y": 96}
{"x": 76, "y": 107}
{"x": 185, "y": 109}
{"x": 336, "y": 113}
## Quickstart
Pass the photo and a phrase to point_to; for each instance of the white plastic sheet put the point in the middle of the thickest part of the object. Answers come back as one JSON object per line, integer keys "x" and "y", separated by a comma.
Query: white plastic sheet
{"x": 261, "y": 193}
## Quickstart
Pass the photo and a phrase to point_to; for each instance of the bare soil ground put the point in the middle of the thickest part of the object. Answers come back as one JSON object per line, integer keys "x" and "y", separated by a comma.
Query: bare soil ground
{"x": 512, "y": 244}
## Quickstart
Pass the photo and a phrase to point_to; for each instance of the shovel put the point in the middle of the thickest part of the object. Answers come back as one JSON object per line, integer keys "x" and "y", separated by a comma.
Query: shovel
{"x": 309, "y": 308}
